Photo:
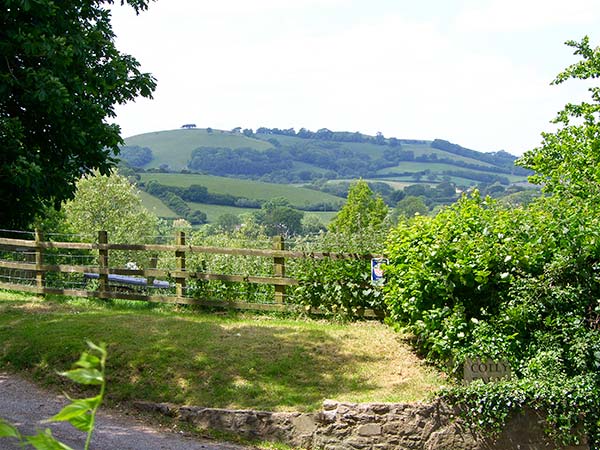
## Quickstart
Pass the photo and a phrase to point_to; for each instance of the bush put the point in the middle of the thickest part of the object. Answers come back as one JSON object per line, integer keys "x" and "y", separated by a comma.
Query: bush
{"x": 522, "y": 284}
{"x": 338, "y": 287}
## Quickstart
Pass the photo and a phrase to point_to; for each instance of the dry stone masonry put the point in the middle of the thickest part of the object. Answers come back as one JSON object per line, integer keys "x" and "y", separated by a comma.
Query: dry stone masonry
{"x": 348, "y": 426}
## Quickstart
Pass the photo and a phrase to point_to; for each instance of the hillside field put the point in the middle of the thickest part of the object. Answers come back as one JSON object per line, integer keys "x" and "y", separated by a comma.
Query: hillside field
{"x": 297, "y": 196}
{"x": 291, "y": 159}
{"x": 174, "y": 147}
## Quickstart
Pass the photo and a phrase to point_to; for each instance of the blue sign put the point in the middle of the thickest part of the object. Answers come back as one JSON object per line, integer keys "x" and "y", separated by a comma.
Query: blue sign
{"x": 377, "y": 270}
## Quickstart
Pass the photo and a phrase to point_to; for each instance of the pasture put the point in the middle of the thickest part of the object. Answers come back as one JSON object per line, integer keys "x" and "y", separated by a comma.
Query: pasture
{"x": 174, "y": 147}
{"x": 297, "y": 196}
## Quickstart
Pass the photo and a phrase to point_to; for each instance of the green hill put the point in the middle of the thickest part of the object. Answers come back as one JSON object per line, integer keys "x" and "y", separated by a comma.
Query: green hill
{"x": 218, "y": 172}
{"x": 286, "y": 156}
{"x": 174, "y": 147}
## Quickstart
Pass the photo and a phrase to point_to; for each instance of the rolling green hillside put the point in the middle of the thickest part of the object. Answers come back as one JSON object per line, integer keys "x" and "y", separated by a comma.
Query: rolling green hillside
{"x": 174, "y": 147}
{"x": 241, "y": 170}
{"x": 284, "y": 156}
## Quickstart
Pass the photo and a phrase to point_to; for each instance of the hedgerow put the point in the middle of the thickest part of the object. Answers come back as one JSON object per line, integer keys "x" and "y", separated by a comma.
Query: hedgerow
{"x": 520, "y": 284}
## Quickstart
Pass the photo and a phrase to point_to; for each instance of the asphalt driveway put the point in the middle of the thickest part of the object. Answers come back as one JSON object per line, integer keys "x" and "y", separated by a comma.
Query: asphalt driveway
{"x": 25, "y": 405}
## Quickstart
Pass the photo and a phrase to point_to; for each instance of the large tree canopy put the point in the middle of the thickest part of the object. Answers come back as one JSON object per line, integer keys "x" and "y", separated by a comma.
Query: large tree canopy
{"x": 60, "y": 77}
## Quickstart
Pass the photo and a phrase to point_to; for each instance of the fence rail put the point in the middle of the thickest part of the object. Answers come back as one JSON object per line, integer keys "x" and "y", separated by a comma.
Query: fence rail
{"x": 35, "y": 270}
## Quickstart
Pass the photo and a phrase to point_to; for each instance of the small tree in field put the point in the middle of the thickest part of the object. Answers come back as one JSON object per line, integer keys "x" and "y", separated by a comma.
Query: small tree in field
{"x": 363, "y": 212}
{"x": 112, "y": 204}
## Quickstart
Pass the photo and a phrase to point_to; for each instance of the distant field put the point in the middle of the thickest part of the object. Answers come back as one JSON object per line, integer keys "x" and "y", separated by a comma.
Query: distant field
{"x": 438, "y": 168}
{"x": 297, "y": 196}
{"x": 174, "y": 147}
{"x": 156, "y": 206}
{"x": 420, "y": 149}
{"x": 375, "y": 150}
{"x": 393, "y": 182}
{"x": 214, "y": 211}
{"x": 325, "y": 217}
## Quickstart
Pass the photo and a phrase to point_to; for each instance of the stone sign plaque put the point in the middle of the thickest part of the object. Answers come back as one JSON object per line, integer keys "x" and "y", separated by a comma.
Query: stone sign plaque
{"x": 485, "y": 369}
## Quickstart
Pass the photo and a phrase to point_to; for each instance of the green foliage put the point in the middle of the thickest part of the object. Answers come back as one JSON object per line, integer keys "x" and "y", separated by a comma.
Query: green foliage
{"x": 342, "y": 287}
{"x": 80, "y": 413}
{"x": 135, "y": 156}
{"x": 568, "y": 161}
{"x": 60, "y": 77}
{"x": 228, "y": 222}
{"x": 112, "y": 204}
{"x": 249, "y": 235}
{"x": 411, "y": 206}
{"x": 521, "y": 284}
{"x": 279, "y": 218}
{"x": 239, "y": 161}
{"x": 363, "y": 212}
{"x": 338, "y": 287}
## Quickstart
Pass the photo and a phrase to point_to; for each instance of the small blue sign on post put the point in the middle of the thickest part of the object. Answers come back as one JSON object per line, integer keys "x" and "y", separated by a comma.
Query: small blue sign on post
{"x": 377, "y": 270}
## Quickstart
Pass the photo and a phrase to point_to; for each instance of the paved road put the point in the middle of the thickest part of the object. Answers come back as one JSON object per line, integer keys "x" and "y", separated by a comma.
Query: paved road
{"x": 25, "y": 405}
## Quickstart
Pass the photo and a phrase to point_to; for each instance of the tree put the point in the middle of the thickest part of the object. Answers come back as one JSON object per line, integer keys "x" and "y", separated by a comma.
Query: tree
{"x": 410, "y": 206}
{"x": 279, "y": 218}
{"x": 568, "y": 160}
{"x": 112, "y": 204}
{"x": 60, "y": 77}
{"x": 228, "y": 222}
{"x": 363, "y": 211}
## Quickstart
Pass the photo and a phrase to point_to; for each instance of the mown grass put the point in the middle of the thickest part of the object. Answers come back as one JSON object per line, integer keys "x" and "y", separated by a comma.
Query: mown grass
{"x": 172, "y": 354}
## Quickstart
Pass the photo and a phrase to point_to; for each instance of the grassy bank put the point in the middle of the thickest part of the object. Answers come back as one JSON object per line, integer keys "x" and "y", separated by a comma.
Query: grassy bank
{"x": 169, "y": 354}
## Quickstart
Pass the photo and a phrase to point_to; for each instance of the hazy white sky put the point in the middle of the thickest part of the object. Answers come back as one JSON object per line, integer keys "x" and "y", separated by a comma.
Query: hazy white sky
{"x": 474, "y": 72}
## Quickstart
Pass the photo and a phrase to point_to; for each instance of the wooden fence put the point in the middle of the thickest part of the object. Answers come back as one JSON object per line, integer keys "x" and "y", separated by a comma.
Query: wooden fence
{"x": 37, "y": 270}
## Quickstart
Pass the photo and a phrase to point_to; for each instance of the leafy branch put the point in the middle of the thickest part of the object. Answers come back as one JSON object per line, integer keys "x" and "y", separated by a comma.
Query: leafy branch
{"x": 81, "y": 413}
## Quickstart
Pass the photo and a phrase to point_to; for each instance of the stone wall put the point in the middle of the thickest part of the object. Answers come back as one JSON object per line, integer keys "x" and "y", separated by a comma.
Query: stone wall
{"x": 343, "y": 426}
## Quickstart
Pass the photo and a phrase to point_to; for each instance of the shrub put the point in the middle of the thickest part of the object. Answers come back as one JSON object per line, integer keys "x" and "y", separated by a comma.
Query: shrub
{"x": 481, "y": 280}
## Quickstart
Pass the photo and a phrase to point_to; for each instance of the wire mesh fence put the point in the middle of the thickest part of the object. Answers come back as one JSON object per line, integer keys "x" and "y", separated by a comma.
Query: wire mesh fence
{"x": 186, "y": 269}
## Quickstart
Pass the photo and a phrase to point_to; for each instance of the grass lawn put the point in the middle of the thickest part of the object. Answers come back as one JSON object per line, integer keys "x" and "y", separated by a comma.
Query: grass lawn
{"x": 174, "y": 354}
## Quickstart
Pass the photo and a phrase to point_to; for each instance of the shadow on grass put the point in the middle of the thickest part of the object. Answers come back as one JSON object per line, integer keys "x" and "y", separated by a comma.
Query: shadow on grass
{"x": 213, "y": 362}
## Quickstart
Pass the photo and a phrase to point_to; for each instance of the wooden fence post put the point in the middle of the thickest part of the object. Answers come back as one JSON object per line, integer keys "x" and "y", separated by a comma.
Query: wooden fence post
{"x": 153, "y": 264}
{"x": 279, "y": 268}
{"x": 103, "y": 261}
{"x": 180, "y": 262}
{"x": 39, "y": 261}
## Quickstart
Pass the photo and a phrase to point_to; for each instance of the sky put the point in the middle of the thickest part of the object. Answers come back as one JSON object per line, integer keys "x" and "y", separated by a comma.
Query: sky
{"x": 473, "y": 72}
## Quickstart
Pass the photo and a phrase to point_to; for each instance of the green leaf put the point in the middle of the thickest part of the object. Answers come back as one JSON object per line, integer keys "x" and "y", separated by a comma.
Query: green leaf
{"x": 99, "y": 348}
{"x": 75, "y": 409}
{"x": 44, "y": 441}
{"x": 88, "y": 361}
{"x": 84, "y": 376}
{"x": 82, "y": 423}
{"x": 7, "y": 430}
